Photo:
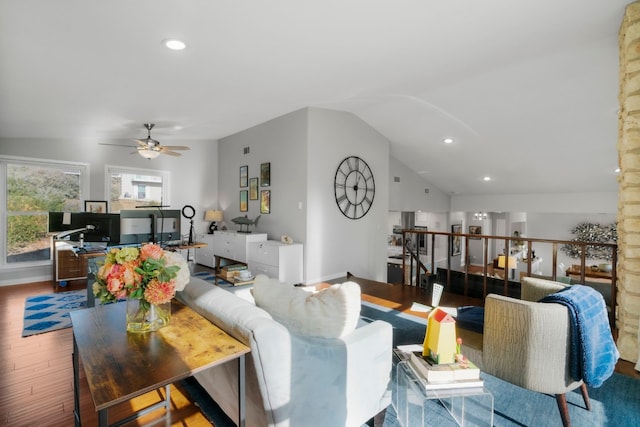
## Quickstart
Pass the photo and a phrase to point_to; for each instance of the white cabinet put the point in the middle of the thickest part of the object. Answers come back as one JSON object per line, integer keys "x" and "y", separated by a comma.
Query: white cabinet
{"x": 233, "y": 245}
{"x": 204, "y": 255}
{"x": 277, "y": 260}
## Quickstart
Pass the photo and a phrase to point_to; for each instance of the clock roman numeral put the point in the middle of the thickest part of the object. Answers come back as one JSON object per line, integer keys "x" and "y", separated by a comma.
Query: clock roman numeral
{"x": 348, "y": 208}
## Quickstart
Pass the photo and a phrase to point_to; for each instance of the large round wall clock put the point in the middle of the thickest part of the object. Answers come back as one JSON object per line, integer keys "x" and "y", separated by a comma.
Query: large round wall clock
{"x": 354, "y": 187}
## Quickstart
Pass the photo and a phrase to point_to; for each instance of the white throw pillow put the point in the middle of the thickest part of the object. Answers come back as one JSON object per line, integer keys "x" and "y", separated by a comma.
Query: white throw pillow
{"x": 329, "y": 313}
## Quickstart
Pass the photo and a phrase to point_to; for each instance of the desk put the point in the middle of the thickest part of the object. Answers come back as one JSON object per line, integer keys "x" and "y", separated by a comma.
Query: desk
{"x": 119, "y": 365}
{"x": 575, "y": 270}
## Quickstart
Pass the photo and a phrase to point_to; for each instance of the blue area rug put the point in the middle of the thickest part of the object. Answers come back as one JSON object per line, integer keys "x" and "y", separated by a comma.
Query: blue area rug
{"x": 616, "y": 403}
{"x": 209, "y": 277}
{"x": 50, "y": 312}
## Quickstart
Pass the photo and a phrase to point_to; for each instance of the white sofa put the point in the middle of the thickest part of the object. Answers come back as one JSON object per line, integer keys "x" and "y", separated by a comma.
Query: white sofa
{"x": 294, "y": 380}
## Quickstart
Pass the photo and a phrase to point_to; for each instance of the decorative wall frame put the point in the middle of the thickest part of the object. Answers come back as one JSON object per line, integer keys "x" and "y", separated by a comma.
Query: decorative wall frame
{"x": 244, "y": 176}
{"x": 265, "y": 201}
{"x": 456, "y": 241}
{"x": 253, "y": 189}
{"x": 244, "y": 203}
{"x": 95, "y": 206}
{"x": 475, "y": 229}
{"x": 265, "y": 174}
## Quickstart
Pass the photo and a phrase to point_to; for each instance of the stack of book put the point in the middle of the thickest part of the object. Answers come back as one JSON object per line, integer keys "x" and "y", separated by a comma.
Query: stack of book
{"x": 230, "y": 272}
{"x": 445, "y": 375}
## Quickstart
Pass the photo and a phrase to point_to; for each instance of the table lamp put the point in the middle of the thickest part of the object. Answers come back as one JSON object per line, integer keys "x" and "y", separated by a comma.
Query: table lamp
{"x": 214, "y": 217}
{"x": 506, "y": 262}
{"x": 511, "y": 264}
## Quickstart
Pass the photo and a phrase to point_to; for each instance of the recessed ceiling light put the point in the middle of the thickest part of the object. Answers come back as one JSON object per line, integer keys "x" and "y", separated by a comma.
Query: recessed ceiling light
{"x": 617, "y": 170}
{"x": 448, "y": 140}
{"x": 174, "y": 44}
{"x": 486, "y": 178}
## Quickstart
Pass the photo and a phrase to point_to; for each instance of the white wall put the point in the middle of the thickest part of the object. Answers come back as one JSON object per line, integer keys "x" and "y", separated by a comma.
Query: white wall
{"x": 283, "y": 143}
{"x": 476, "y": 247}
{"x": 336, "y": 244}
{"x": 193, "y": 176}
{"x": 541, "y": 203}
{"x": 305, "y": 148}
{"x": 409, "y": 195}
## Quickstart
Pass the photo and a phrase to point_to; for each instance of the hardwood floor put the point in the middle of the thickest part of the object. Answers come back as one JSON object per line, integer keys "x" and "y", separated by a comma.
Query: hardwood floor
{"x": 36, "y": 386}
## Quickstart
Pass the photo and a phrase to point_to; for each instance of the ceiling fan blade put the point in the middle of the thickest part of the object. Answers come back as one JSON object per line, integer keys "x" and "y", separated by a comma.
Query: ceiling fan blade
{"x": 171, "y": 153}
{"x": 117, "y": 145}
{"x": 176, "y": 147}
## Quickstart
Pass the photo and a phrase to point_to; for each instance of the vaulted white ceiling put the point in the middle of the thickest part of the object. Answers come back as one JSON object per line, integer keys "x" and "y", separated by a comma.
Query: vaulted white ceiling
{"x": 527, "y": 89}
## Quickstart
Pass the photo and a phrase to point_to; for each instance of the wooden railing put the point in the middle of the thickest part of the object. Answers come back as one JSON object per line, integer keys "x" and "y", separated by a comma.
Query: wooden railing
{"x": 421, "y": 269}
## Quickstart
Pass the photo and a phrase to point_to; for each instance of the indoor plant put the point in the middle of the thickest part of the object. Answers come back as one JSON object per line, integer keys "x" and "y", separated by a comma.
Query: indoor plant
{"x": 148, "y": 277}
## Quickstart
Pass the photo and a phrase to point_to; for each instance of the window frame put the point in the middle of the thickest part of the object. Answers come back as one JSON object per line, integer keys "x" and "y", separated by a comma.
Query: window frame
{"x": 110, "y": 169}
{"x": 85, "y": 184}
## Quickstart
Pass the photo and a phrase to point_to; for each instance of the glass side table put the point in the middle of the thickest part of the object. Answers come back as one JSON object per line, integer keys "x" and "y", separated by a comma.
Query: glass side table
{"x": 462, "y": 406}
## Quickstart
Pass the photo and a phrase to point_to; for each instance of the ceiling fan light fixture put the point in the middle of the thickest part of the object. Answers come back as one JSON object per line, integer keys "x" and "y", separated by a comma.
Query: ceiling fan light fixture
{"x": 149, "y": 154}
{"x": 174, "y": 44}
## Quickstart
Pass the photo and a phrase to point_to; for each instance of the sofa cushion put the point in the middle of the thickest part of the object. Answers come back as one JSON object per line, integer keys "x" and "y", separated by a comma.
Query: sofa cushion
{"x": 329, "y": 313}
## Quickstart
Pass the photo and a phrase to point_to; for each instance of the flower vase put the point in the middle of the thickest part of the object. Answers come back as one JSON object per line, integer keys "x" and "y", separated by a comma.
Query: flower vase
{"x": 144, "y": 317}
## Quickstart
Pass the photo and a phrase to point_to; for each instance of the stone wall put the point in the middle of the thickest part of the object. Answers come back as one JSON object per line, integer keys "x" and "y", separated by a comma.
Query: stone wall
{"x": 629, "y": 185}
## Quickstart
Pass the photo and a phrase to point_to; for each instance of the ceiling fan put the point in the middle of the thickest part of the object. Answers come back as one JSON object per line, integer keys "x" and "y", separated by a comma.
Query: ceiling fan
{"x": 150, "y": 148}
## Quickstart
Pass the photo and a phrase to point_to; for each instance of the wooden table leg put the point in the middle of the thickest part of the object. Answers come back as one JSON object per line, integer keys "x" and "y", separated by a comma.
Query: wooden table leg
{"x": 76, "y": 384}
{"x": 241, "y": 392}
{"x": 103, "y": 418}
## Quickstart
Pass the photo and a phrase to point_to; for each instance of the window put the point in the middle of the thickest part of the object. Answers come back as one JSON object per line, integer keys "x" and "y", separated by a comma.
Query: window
{"x": 131, "y": 188}
{"x": 33, "y": 189}
{"x": 142, "y": 194}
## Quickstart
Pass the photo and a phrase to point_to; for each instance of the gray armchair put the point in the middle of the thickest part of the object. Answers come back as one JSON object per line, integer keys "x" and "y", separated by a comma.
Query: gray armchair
{"x": 527, "y": 343}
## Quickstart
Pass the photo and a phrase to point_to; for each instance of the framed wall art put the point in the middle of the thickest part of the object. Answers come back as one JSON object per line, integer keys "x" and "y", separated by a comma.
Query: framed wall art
{"x": 253, "y": 189}
{"x": 265, "y": 174}
{"x": 95, "y": 206}
{"x": 475, "y": 229}
{"x": 244, "y": 176}
{"x": 456, "y": 241}
{"x": 265, "y": 201}
{"x": 244, "y": 203}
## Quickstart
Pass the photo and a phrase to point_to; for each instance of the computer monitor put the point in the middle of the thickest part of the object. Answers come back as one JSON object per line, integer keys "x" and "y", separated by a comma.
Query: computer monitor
{"x": 149, "y": 225}
{"x": 106, "y": 227}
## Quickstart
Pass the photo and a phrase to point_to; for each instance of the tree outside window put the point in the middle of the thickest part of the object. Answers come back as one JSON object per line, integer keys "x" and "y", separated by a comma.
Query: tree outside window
{"x": 33, "y": 189}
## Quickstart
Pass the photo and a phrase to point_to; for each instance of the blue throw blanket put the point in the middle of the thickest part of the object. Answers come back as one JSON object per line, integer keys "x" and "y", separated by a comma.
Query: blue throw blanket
{"x": 593, "y": 353}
